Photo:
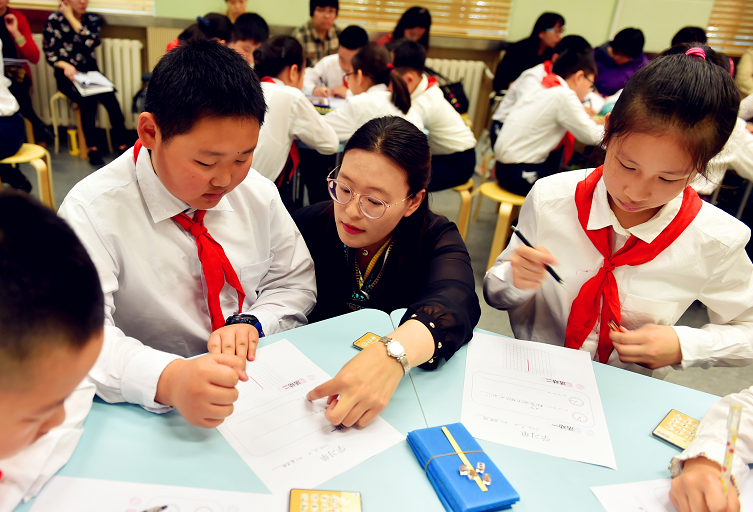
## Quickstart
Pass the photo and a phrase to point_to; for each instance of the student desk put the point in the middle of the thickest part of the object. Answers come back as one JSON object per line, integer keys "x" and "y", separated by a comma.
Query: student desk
{"x": 124, "y": 442}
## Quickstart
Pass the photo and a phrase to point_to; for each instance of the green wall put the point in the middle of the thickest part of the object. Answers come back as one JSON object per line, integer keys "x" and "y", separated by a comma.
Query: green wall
{"x": 275, "y": 12}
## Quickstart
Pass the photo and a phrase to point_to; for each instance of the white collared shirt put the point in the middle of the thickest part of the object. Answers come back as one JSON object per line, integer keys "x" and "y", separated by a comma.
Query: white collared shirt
{"x": 528, "y": 81}
{"x": 711, "y": 437}
{"x": 737, "y": 152}
{"x": 362, "y": 108}
{"x": 8, "y": 103}
{"x": 290, "y": 116}
{"x": 154, "y": 288}
{"x": 448, "y": 133}
{"x": 707, "y": 262}
{"x": 746, "y": 108}
{"x": 326, "y": 72}
{"x": 539, "y": 121}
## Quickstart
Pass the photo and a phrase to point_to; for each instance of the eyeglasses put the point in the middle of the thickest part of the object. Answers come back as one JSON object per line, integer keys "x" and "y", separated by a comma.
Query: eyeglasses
{"x": 346, "y": 75}
{"x": 372, "y": 207}
{"x": 556, "y": 30}
{"x": 590, "y": 89}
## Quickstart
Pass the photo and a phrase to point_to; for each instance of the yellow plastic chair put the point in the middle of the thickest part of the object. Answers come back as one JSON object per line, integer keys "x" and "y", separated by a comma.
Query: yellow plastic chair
{"x": 84, "y": 149}
{"x": 466, "y": 203}
{"x": 39, "y": 158}
{"x": 509, "y": 208}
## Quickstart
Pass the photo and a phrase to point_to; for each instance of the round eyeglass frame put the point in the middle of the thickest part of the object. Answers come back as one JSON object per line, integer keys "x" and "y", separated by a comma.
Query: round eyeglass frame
{"x": 333, "y": 195}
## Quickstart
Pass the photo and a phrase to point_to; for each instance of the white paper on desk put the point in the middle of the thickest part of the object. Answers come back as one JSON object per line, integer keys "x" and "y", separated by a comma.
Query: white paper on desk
{"x": 284, "y": 438}
{"x": 653, "y": 496}
{"x": 537, "y": 397}
{"x": 68, "y": 494}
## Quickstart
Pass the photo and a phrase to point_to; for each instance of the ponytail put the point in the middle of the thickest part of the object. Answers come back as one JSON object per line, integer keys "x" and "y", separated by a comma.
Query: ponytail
{"x": 375, "y": 62}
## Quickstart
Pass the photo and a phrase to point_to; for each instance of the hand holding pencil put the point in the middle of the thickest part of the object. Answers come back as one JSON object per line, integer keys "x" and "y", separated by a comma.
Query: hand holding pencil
{"x": 530, "y": 265}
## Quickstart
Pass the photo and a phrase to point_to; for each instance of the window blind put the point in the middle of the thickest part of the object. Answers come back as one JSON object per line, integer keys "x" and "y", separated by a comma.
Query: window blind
{"x": 730, "y": 27}
{"x": 143, "y": 7}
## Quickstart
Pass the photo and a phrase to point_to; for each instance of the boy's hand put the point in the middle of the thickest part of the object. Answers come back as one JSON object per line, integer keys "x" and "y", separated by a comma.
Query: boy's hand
{"x": 340, "y": 91}
{"x": 699, "y": 489}
{"x": 202, "y": 389}
{"x": 321, "y": 91}
{"x": 529, "y": 267}
{"x": 237, "y": 339}
{"x": 652, "y": 346}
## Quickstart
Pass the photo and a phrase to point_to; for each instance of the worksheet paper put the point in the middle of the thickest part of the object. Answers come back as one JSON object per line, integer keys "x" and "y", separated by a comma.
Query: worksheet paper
{"x": 537, "y": 397}
{"x": 285, "y": 439}
{"x": 653, "y": 496}
{"x": 69, "y": 494}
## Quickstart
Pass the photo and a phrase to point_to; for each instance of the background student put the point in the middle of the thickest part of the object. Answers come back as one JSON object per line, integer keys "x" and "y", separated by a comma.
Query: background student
{"x": 414, "y": 24}
{"x": 235, "y": 9}
{"x": 377, "y": 91}
{"x": 12, "y": 136}
{"x": 70, "y": 37}
{"x": 632, "y": 237}
{"x": 453, "y": 154}
{"x": 143, "y": 217}
{"x": 689, "y": 35}
{"x": 534, "y": 140}
{"x": 398, "y": 255}
{"x": 211, "y": 26}
{"x": 327, "y": 77}
{"x": 290, "y": 116}
{"x": 526, "y": 53}
{"x": 51, "y": 314}
{"x": 249, "y": 32}
{"x": 319, "y": 35}
{"x": 697, "y": 471}
{"x": 618, "y": 60}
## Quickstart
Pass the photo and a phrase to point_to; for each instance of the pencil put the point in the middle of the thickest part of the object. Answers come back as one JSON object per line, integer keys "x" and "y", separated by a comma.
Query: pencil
{"x": 733, "y": 425}
{"x": 548, "y": 268}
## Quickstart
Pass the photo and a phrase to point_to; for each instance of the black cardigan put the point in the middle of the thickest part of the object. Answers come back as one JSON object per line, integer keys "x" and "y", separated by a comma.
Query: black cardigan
{"x": 518, "y": 57}
{"x": 429, "y": 274}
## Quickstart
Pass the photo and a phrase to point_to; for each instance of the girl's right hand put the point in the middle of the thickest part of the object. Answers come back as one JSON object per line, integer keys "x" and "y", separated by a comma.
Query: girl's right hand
{"x": 529, "y": 267}
{"x": 699, "y": 487}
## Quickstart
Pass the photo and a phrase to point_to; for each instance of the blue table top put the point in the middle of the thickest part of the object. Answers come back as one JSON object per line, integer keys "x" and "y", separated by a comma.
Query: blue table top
{"x": 124, "y": 442}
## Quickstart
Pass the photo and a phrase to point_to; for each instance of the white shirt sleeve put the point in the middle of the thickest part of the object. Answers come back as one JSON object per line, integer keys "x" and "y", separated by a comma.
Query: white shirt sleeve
{"x": 572, "y": 116}
{"x": 711, "y": 438}
{"x": 728, "y": 339}
{"x": 310, "y": 127}
{"x": 126, "y": 370}
{"x": 25, "y": 473}
{"x": 344, "y": 120}
{"x": 746, "y": 108}
{"x": 742, "y": 158}
{"x": 414, "y": 116}
{"x": 311, "y": 78}
{"x": 287, "y": 292}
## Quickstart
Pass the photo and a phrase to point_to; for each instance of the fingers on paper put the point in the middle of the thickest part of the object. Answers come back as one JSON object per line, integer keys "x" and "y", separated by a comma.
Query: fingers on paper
{"x": 329, "y": 388}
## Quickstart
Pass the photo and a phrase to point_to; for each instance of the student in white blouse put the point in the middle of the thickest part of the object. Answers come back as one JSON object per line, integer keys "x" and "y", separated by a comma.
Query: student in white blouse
{"x": 378, "y": 91}
{"x": 677, "y": 248}
{"x": 191, "y": 164}
{"x": 696, "y": 472}
{"x": 453, "y": 154}
{"x": 12, "y": 134}
{"x": 327, "y": 77}
{"x": 290, "y": 115}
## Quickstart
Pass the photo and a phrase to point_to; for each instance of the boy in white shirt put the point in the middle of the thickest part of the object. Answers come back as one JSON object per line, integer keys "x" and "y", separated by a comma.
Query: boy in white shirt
{"x": 249, "y": 33}
{"x": 327, "y": 77}
{"x": 539, "y": 132}
{"x": 187, "y": 187}
{"x": 453, "y": 155}
{"x": 51, "y": 318}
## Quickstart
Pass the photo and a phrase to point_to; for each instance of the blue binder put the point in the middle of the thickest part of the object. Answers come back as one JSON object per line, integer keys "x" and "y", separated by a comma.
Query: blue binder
{"x": 459, "y": 493}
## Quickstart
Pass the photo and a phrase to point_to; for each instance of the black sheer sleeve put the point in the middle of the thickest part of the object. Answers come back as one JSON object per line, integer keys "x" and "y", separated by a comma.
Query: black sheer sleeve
{"x": 447, "y": 305}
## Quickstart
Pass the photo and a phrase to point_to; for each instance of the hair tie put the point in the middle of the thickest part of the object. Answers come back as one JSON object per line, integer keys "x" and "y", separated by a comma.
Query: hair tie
{"x": 696, "y": 52}
{"x": 202, "y": 20}
{"x": 731, "y": 67}
{"x": 390, "y": 66}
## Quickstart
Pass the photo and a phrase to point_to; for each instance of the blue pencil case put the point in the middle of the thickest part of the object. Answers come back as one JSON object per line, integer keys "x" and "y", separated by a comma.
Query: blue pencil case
{"x": 459, "y": 493}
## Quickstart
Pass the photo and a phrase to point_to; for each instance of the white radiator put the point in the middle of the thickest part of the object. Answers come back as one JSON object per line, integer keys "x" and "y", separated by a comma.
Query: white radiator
{"x": 470, "y": 72}
{"x": 118, "y": 59}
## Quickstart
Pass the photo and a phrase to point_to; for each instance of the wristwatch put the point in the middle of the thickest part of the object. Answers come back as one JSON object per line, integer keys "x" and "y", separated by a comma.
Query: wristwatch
{"x": 395, "y": 349}
{"x": 246, "y": 319}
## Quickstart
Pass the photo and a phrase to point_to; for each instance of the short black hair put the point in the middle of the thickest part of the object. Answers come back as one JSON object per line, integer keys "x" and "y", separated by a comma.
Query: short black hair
{"x": 353, "y": 37}
{"x": 313, "y": 4}
{"x": 201, "y": 79}
{"x": 49, "y": 288}
{"x": 629, "y": 42}
{"x": 409, "y": 56}
{"x": 689, "y": 35}
{"x": 215, "y": 26}
{"x": 546, "y": 21}
{"x": 570, "y": 62}
{"x": 250, "y": 27}
{"x": 276, "y": 54}
{"x": 575, "y": 43}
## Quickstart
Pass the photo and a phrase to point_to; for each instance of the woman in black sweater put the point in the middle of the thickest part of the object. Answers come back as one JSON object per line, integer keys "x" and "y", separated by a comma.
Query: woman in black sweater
{"x": 378, "y": 245}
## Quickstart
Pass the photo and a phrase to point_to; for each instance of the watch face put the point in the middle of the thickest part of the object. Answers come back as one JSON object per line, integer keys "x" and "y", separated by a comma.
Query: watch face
{"x": 396, "y": 348}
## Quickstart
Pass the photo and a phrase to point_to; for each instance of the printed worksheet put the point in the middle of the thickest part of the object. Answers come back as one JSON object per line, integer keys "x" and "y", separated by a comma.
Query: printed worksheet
{"x": 285, "y": 439}
{"x": 653, "y": 496}
{"x": 537, "y": 397}
{"x": 68, "y": 494}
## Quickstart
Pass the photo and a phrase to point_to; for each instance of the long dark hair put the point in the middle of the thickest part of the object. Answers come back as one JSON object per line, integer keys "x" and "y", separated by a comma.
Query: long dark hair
{"x": 211, "y": 26}
{"x": 414, "y": 17}
{"x": 694, "y": 98}
{"x": 546, "y": 21}
{"x": 276, "y": 54}
{"x": 375, "y": 62}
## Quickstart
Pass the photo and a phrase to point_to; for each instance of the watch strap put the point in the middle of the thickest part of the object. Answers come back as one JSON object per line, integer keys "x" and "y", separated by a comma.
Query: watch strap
{"x": 246, "y": 319}
{"x": 402, "y": 358}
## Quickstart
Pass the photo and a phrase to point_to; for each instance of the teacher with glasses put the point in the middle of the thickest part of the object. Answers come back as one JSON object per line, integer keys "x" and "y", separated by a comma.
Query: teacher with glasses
{"x": 378, "y": 245}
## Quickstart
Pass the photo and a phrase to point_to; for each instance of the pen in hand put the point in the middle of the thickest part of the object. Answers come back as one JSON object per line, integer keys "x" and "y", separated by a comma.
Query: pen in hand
{"x": 548, "y": 268}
